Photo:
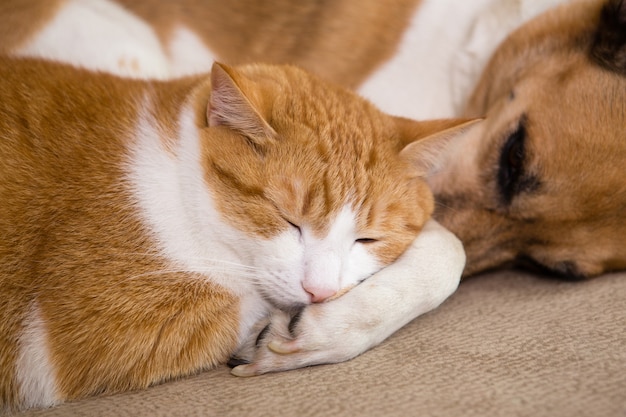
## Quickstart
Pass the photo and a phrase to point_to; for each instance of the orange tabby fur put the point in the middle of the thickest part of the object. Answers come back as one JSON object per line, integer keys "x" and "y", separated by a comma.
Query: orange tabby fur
{"x": 77, "y": 257}
{"x": 319, "y": 190}
{"x": 51, "y": 139}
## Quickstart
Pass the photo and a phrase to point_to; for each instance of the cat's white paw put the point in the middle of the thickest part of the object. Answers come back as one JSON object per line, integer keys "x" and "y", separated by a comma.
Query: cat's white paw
{"x": 320, "y": 333}
{"x": 338, "y": 330}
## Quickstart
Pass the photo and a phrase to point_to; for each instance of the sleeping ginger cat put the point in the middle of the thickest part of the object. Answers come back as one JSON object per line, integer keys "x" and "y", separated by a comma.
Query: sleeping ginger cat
{"x": 147, "y": 226}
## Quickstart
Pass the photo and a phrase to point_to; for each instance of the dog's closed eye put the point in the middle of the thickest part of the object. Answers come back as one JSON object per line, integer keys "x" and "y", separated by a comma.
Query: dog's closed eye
{"x": 514, "y": 175}
{"x": 512, "y": 158}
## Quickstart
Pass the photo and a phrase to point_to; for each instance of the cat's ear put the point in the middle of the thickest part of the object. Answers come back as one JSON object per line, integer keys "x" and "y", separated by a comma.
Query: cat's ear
{"x": 429, "y": 141}
{"x": 609, "y": 45}
{"x": 237, "y": 103}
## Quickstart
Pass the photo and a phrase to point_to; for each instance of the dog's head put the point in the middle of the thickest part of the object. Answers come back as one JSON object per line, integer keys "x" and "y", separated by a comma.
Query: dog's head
{"x": 543, "y": 178}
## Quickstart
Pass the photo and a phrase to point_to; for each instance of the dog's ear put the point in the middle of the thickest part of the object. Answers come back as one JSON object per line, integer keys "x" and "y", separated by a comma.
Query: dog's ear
{"x": 609, "y": 46}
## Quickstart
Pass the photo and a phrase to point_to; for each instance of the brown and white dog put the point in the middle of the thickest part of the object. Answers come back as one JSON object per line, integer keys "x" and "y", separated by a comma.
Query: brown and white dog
{"x": 542, "y": 180}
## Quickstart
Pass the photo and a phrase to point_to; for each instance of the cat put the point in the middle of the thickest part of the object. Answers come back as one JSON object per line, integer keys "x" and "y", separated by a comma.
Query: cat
{"x": 148, "y": 226}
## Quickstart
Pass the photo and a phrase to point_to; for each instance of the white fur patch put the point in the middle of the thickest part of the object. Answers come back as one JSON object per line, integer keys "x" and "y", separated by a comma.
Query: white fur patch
{"x": 98, "y": 34}
{"x": 253, "y": 310}
{"x": 188, "y": 54}
{"x": 336, "y": 261}
{"x": 175, "y": 203}
{"x": 34, "y": 371}
{"x": 415, "y": 82}
{"x": 177, "y": 206}
{"x": 298, "y": 267}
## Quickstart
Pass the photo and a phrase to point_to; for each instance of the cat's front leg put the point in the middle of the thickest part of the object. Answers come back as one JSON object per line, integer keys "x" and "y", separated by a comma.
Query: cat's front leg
{"x": 335, "y": 331}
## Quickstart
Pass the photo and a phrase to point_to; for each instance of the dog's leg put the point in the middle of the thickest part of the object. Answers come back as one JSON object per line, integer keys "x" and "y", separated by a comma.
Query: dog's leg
{"x": 426, "y": 274}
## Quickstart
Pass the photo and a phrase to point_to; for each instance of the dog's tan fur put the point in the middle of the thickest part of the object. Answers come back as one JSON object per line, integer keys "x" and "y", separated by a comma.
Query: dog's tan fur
{"x": 338, "y": 40}
{"x": 20, "y": 19}
{"x": 561, "y": 78}
{"x": 335, "y": 40}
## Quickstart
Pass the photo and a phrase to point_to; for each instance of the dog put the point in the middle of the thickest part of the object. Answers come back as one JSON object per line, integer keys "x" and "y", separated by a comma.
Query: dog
{"x": 395, "y": 53}
{"x": 541, "y": 182}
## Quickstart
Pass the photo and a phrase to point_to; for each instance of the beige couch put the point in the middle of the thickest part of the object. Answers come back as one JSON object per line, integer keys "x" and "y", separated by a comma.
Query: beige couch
{"x": 506, "y": 344}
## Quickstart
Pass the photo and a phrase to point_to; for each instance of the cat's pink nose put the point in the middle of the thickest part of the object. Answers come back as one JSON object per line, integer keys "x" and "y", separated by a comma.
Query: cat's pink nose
{"x": 319, "y": 294}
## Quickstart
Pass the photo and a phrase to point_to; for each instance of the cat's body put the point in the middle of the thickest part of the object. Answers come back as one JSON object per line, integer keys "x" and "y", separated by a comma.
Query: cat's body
{"x": 146, "y": 226}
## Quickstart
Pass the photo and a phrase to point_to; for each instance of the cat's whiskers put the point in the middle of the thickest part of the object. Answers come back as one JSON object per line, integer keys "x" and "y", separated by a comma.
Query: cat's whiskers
{"x": 240, "y": 273}
{"x": 209, "y": 261}
{"x": 208, "y": 267}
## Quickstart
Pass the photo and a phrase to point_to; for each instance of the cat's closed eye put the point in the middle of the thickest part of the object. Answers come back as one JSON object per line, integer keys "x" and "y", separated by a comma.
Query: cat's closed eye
{"x": 295, "y": 226}
{"x": 366, "y": 240}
